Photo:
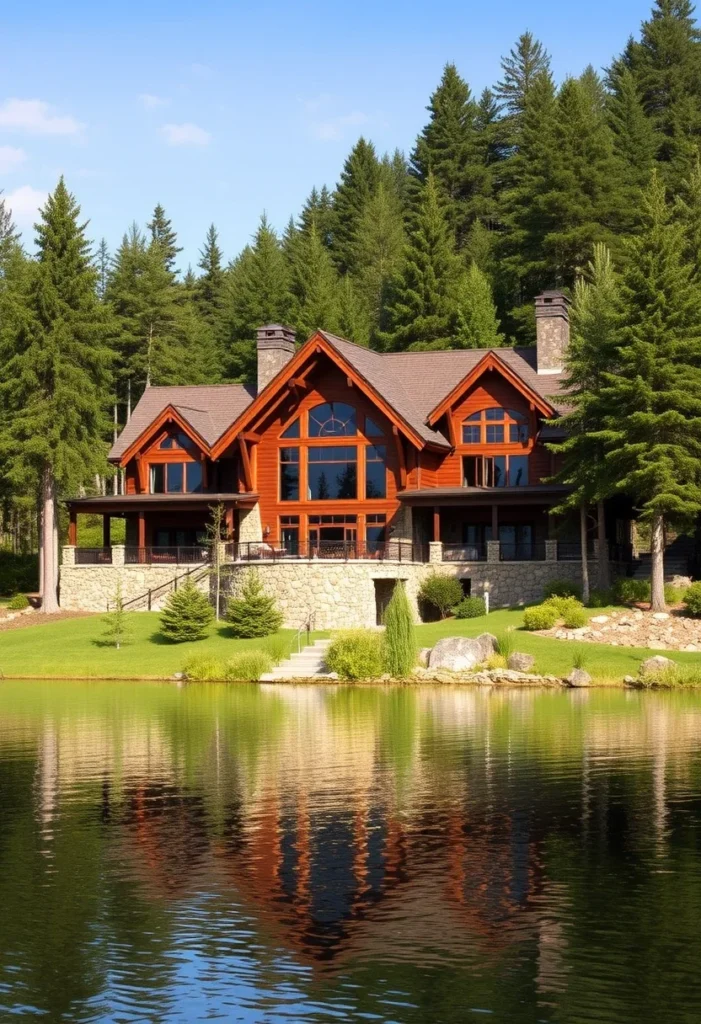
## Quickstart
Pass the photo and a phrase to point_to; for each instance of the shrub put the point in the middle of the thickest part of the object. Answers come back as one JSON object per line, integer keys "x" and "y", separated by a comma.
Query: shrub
{"x": 117, "y": 630}
{"x": 692, "y": 599}
{"x": 18, "y": 573}
{"x": 671, "y": 676}
{"x": 581, "y": 658}
{"x": 540, "y": 616}
{"x": 630, "y": 591}
{"x": 470, "y": 608}
{"x": 247, "y": 667}
{"x": 187, "y": 614}
{"x": 399, "y": 648}
{"x": 202, "y": 668}
{"x": 443, "y": 592}
{"x": 495, "y": 661}
{"x": 18, "y": 603}
{"x": 253, "y": 614}
{"x": 356, "y": 654}
{"x": 569, "y": 609}
{"x": 562, "y": 588}
{"x": 505, "y": 644}
{"x": 600, "y": 598}
{"x": 277, "y": 648}
{"x": 674, "y": 595}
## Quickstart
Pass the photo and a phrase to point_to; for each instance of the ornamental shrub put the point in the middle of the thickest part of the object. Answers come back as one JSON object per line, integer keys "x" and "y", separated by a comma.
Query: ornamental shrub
{"x": 442, "y": 592}
{"x": 399, "y": 640}
{"x": 253, "y": 613}
{"x": 470, "y": 608}
{"x": 692, "y": 599}
{"x": 187, "y": 614}
{"x": 18, "y": 603}
{"x": 540, "y": 616}
{"x": 356, "y": 654}
{"x": 117, "y": 629}
{"x": 574, "y": 617}
{"x": 247, "y": 667}
{"x": 600, "y": 598}
{"x": 562, "y": 588}
{"x": 203, "y": 668}
{"x": 674, "y": 595}
{"x": 505, "y": 644}
{"x": 629, "y": 591}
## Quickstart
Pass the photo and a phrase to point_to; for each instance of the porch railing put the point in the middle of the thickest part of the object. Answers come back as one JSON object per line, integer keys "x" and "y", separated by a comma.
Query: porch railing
{"x": 166, "y": 555}
{"x": 515, "y": 552}
{"x": 93, "y": 556}
{"x": 571, "y": 551}
{"x": 393, "y": 550}
{"x": 464, "y": 552}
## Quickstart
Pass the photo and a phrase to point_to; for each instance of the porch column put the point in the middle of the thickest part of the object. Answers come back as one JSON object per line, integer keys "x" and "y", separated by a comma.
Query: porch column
{"x": 106, "y": 524}
{"x": 142, "y": 530}
{"x": 551, "y": 551}
{"x": 73, "y": 528}
{"x": 436, "y": 523}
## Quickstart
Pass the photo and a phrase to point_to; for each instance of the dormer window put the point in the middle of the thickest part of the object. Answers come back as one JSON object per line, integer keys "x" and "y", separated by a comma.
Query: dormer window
{"x": 178, "y": 440}
{"x": 333, "y": 419}
{"x": 496, "y": 426}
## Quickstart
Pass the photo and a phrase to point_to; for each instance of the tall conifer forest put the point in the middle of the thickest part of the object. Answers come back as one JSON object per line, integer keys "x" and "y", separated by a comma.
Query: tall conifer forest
{"x": 532, "y": 184}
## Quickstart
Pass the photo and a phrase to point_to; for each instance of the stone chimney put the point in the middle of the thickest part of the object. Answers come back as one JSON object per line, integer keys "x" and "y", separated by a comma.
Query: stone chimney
{"x": 552, "y": 321}
{"x": 276, "y": 346}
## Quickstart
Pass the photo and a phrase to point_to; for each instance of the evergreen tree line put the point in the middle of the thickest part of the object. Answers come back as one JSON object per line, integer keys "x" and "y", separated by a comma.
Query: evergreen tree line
{"x": 503, "y": 195}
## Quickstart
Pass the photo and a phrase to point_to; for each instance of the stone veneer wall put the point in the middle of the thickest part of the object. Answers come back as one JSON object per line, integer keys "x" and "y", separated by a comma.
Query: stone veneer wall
{"x": 340, "y": 594}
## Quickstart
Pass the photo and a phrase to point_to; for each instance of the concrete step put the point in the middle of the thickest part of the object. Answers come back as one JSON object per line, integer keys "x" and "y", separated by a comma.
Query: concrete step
{"x": 309, "y": 663}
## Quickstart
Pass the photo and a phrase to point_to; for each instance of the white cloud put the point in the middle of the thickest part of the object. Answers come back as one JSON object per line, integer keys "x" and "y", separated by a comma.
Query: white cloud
{"x": 186, "y": 135}
{"x": 334, "y": 127}
{"x": 150, "y": 102}
{"x": 36, "y": 117}
{"x": 11, "y": 158}
{"x": 24, "y": 203}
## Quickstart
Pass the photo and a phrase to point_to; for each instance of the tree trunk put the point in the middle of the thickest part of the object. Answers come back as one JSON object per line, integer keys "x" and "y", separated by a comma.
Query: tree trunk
{"x": 602, "y": 547}
{"x": 585, "y": 555}
{"x": 49, "y": 603}
{"x": 40, "y": 532}
{"x": 657, "y": 564}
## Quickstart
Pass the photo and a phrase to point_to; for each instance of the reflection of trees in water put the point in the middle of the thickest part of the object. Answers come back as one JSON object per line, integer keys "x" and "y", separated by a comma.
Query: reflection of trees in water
{"x": 358, "y": 826}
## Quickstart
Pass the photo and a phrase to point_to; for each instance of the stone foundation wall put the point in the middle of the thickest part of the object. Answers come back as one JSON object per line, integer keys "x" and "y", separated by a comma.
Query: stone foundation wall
{"x": 90, "y": 588}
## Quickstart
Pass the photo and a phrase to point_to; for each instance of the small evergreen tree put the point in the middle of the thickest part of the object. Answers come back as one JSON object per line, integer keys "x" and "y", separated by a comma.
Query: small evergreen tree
{"x": 216, "y": 532}
{"x": 314, "y": 286}
{"x": 187, "y": 614}
{"x": 253, "y": 613}
{"x": 359, "y": 180}
{"x": 399, "y": 639}
{"x": 163, "y": 236}
{"x": 477, "y": 321}
{"x": 117, "y": 628}
{"x": 526, "y": 61}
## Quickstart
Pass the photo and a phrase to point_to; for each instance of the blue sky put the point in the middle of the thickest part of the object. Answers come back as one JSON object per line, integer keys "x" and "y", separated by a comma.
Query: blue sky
{"x": 222, "y": 110}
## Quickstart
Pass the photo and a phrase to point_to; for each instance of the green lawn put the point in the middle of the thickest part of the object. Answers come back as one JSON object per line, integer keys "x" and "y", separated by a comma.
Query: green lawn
{"x": 70, "y": 648}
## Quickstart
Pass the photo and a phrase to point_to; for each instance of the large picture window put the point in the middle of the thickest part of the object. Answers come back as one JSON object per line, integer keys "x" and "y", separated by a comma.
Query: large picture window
{"x": 496, "y": 426}
{"x": 176, "y": 478}
{"x": 495, "y": 471}
{"x": 376, "y": 471}
{"x": 289, "y": 474}
{"x": 332, "y": 473}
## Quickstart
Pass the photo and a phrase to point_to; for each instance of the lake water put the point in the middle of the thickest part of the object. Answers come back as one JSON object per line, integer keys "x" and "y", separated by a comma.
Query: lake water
{"x": 273, "y": 854}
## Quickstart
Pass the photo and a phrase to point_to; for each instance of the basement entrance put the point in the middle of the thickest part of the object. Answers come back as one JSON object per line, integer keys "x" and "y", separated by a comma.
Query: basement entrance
{"x": 383, "y": 593}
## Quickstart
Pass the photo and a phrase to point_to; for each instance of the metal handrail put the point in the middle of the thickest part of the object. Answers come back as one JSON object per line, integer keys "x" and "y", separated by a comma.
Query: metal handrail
{"x": 307, "y": 628}
{"x": 149, "y": 595}
{"x": 164, "y": 555}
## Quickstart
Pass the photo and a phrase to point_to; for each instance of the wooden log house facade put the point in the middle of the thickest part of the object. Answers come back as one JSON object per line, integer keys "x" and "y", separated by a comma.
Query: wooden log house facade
{"x": 344, "y": 454}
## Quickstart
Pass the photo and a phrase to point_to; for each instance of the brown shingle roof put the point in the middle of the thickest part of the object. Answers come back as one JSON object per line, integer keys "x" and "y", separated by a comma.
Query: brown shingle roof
{"x": 208, "y": 408}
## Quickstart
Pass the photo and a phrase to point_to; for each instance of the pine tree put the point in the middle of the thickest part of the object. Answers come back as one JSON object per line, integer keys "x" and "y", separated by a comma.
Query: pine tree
{"x": 257, "y": 292}
{"x": 187, "y": 614}
{"x": 54, "y": 383}
{"x": 117, "y": 630}
{"x": 359, "y": 180}
{"x": 399, "y": 642}
{"x": 354, "y": 317}
{"x": 163, "y": 235}
{"x": 688, "y": 211}
{"x": 318, "y": 211}
{"x": 379, "y": 245}
{"x": 422, "y": 304}
{"x": 314, "y": 286}
{"x": 253, "y": 613}
{"x": 635, "y": 139}
{"x": 477, "y": 324}
{"x": 9, "y": 237}
{"x": 450, "y": 147}
{"x": 102, "y": 265}
{"x": 653, "y": 424}
{"x": 526, "y": 63}
{"x": 209, "y": 287}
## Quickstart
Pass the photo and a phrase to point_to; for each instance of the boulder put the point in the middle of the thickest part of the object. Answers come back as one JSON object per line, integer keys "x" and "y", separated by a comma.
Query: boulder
{"x": 578, "y": 678}
{"x": 520, "y": 662}
{"x": 424, "y": 656}
{"x": 651, "y": 666}
{"x": 457, "y": 653}
{"x": 660, "y": 616}
{"x": 599, "y": 619}
{"x": 488, "y": 645}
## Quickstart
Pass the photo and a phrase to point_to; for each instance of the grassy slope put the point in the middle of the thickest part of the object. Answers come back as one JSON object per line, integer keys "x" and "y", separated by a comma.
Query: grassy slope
{"x": 68, "y": 648}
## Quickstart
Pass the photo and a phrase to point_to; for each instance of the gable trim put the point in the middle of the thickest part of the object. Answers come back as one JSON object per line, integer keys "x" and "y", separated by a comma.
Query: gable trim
{"x": 169, "y": 415}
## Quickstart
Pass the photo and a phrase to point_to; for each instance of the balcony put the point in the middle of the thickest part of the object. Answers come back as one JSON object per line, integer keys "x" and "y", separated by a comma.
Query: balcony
{"x": 389, "y": 551}
{"x": 165, "y": 555}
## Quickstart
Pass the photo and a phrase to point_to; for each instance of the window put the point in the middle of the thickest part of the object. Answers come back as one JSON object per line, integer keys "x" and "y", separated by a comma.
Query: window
{"x": 193, "y": 475}
{"x": 292, "y": 430}
{"x": 332, "y": 473}
{"x": 289, "y": 534}
{"x": 495, "y": 433}
{"x": 289, "y": 474}
{"x": 158, "y": 479}
{"x": 494, "y": 425}
{"x": 375, "y": 532}
{"x": 470, "y": 435}
{"x": 518, "y": 470}
{"x": 376, "y": 471}
{"x": 330, "y": 534}
{"x": 176, "y": 478}
{"x": 372, "y": 429}
{"x": 495, "y": 471}
{"x": 178, "y": 440}
{"x": 332, "y": 419}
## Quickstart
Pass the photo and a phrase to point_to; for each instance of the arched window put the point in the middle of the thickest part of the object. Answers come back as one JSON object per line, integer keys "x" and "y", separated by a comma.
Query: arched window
{"x": 333, "y": 419}
{"x": 178, "y": 440}
{"x": 496, "y": 426}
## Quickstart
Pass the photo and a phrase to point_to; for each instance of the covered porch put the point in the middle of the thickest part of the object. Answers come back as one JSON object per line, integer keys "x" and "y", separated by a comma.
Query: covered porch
{"x": 159, "y": 528}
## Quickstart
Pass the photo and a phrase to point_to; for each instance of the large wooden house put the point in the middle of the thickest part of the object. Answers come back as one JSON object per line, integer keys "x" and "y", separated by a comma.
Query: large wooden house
{"x": 344, "y": 454}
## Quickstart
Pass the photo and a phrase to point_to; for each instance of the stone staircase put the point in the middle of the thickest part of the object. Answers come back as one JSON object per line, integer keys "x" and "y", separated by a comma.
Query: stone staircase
{"x": 309, "y": 663}
{"x": 677, "y": 560}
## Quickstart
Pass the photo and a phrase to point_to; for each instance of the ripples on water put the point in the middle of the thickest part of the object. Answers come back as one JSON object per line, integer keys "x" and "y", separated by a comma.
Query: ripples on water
{"x": 309, "y": 854}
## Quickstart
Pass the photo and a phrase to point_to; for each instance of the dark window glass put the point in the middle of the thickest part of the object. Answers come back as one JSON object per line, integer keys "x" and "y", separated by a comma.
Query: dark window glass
{"x": 194, "y": 477}
{"x": 499, "y": 471}
{"x": 333, "y": 519}
{"x": 518, "y": 471}
{"x": 332, "y": 474}
{"x": 471, "y": 471}
{"x": 289, "y": 474}
{"x": 290, "y": 539}
{"x": 167, "y": 442}
{"x": 376, "y": 472}
{"x": 372, "y": 429}
{"x": 518, "y": 432}
{"x": 376, "y": 517}
{"x": 520, "y": 417}
{"x": 494, "y": 414}
{"x": 476, "y": 416}
{"x": 174, "y": 477}
{"x": 332, "y": 419}
{"x": 375, "y": 537}
{"x": 157, "y": 479}
{"x": 495, "y": 433}
{"x": 470, "y": 435}
{"x": 292, "y": 430}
